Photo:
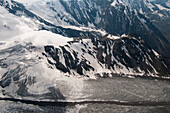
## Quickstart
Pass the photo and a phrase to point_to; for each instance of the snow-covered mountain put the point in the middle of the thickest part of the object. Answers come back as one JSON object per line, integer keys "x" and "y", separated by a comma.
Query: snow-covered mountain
{"x": 106, "y": 56}
{"x": 78, "y": 19}
{"x": 70, "y": 39}
{"x": 31, "y": 63}
{"x": 162, "y": 7}
{"x": 19, "y": 10}
{"x": 157, "y": 11}
{"x": 114, "y": 16}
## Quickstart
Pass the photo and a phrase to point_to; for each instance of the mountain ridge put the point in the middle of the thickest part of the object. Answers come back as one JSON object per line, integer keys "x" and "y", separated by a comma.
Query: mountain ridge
{"x": 124, "y": 19}
{"x": 40, "y": 55}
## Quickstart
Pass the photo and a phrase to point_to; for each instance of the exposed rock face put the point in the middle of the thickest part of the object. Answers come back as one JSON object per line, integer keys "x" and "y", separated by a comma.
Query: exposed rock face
{"x": 115, "y": 19}
{"x": 114, "y": 16}
{"x": 120, "y": 56}
{"x": 161, "y": 19}
{"x": 34, "y": 61}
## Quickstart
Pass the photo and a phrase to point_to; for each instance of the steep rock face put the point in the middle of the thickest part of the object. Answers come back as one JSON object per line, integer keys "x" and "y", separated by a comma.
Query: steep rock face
{"x": 29, "y": 71}
{"x": 123, "y": 18}
{"x": 31, "y": 62}
{"x": 124, "y": 56}
{"x": 158, "y": 11}
{"x": 162, "y": 7}
{"x": 114, "y": 16}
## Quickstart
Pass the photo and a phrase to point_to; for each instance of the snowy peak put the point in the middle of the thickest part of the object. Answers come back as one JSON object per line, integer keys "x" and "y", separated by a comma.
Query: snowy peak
{"x": 117, "y": 2}
{"x": 143, "y": 5}
{"x": 92, "y": 50}
{"x": 64, "y": 16}
{"x": 130, "y": 3}
{"x": 64, "y": 39}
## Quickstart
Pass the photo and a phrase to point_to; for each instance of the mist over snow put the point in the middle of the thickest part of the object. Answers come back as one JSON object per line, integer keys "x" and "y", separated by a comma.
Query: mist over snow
{"x": 32, "y": 1}
{"x": 29, "y": 1}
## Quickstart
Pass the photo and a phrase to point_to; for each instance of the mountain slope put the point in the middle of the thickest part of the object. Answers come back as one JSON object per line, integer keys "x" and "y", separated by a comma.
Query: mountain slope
{"x": 162, "y": 22}
{"x": 27, "y": 65}
{"x": 114, "y": 16}
{"x": 18, "y": 9}
{"x": 34, "y": 58}
{"x": 158, "y": 11}
{"x": 126, "y": 56}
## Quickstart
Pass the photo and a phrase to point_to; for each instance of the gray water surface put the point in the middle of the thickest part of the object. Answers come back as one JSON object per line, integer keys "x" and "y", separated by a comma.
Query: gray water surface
{"x": 116, "y": 88}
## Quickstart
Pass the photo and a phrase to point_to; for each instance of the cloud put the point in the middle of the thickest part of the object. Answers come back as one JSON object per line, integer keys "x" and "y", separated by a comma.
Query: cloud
{"x": 27, "y": 1}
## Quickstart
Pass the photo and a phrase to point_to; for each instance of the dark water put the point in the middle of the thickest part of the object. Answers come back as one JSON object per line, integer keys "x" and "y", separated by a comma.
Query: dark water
{"x": 11, "y": 107}
{"x": 116, "y": 88}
